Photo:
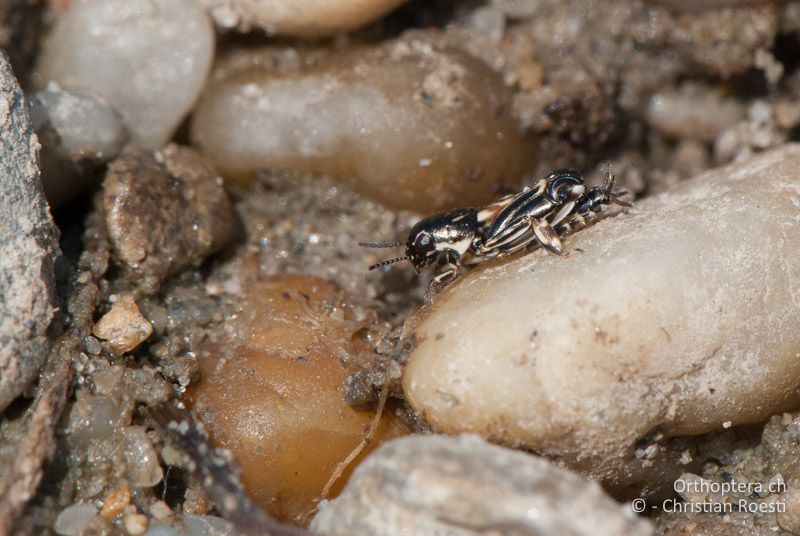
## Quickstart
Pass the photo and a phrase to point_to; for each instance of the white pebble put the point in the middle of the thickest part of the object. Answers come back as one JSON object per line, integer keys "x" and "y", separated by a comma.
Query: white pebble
{"x": 135, "y": 524}
{"x": 74, "y": 518}
{"x": 679, "y": 316}
{"x": 694, "y": 112}
{"x": 143, "y": 469}
{"x": 193, "y": 526}
{"x": 148, "y": 58}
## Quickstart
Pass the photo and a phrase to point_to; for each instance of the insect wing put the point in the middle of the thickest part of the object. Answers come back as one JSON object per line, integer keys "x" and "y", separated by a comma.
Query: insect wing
{"x": 525, "y": 205}
{"x": 489, "y": 212}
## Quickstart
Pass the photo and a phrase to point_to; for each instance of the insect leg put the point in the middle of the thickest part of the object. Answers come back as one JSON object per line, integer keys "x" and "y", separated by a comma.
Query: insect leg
{"x": 546, "y": 236}
{"x": 440, "y": 281}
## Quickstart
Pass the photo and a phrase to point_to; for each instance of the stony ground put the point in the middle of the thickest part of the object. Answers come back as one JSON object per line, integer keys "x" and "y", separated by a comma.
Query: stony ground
{"x": 168, "y": 275}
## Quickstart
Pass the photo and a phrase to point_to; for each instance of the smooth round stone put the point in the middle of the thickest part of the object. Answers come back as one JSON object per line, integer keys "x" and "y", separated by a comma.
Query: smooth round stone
{"x": 148, "y": 58}
{"x": 309, "y": 18}
{"x": 679, "y": 317}
{"x": 271, "y": 390}
{"x": 411, "y": 123}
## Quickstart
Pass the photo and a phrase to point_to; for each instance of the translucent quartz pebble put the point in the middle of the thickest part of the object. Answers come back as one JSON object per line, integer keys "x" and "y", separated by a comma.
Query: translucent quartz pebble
{"x": 410, "y": 123}
{"x": 148, "y": 58}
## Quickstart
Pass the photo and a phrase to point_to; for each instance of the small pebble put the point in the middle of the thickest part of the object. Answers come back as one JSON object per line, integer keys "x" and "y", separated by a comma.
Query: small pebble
{"x": 123, "y": 327}
{"x": 143, "y": 469}
{"x": 148, "y": 58}
{"x": 694, "y": 112}
{"x": 115, "y": 502}
{"x": 73, "y": 519}
{"x": 93, "y": 345}
{"x": 700, "y": 5}
{"x": 78, "y": 133}
{"x": 192, "y": 526}
{"x": 165, "y": 212}
{"x": 106, "y": 379}
{"x": 160, "y": 509}
{"x": 411, "y": 123}
{"x": 94, "y": 418}
{"x": 315, "y": 17}
{"x": 678, "y": 316}
{"x": 135, "y": 524}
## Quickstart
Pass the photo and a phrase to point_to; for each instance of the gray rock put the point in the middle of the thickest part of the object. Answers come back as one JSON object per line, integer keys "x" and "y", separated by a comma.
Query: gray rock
{"x": 438, "y": 485}
{"x": 78, "y": 133}
{"x": 28, "y": 246}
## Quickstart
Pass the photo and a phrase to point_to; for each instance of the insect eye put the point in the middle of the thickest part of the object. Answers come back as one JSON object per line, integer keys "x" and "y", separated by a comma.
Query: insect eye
{"x": 423, "y": 243}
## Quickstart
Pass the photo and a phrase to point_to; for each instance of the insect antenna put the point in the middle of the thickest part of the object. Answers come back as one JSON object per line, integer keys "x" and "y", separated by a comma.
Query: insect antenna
{"x": 390, "y": 261}
{"x": 372, "y": 245}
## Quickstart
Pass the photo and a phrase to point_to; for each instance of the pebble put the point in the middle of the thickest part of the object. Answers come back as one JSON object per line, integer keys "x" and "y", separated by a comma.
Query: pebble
{"x": 465, "y": 486}
{"x": 160, "y": 509}
{"x": 115, "y": 502}
{"x": 106, "y": 379}
{"x": 148, "y": 58}
{"x": 73, "y": 519}
{"x": 678, "y": 317}
{"x": 165, "y": 212}
{"x": 123, "y": 327}
{"x": 192, "y": 526}
{"x": 695, "y": 5}
{"x": 143, "y": 469}
{"x": 79, "y": 133}
{"x": 28, "y": 247}
{"x": 410, "y": 123}
{"x": 93, "y": 419}
{"x": 135, "y": 524}
{"x": 315, "y": 18}
{"x": 693, "y": 112}
{"x": 272, "y": 392}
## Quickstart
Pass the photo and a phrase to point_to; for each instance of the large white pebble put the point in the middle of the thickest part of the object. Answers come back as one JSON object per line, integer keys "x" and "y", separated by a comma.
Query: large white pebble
{"x": 681, "y": 316}
{"x": 148, "y": 58}
{"x": 304, "y": 18}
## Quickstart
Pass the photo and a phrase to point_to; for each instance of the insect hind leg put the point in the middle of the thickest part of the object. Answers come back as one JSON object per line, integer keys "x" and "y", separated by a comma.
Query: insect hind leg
{"x": 546, "y": 236}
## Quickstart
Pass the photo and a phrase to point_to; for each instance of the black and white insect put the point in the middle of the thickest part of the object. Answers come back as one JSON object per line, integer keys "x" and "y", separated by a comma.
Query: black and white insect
{"x": 537, "y": 216}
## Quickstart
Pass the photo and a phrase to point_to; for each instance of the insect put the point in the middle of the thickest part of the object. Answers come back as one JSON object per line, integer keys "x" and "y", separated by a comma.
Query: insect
{"x": 537, "y": 216}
